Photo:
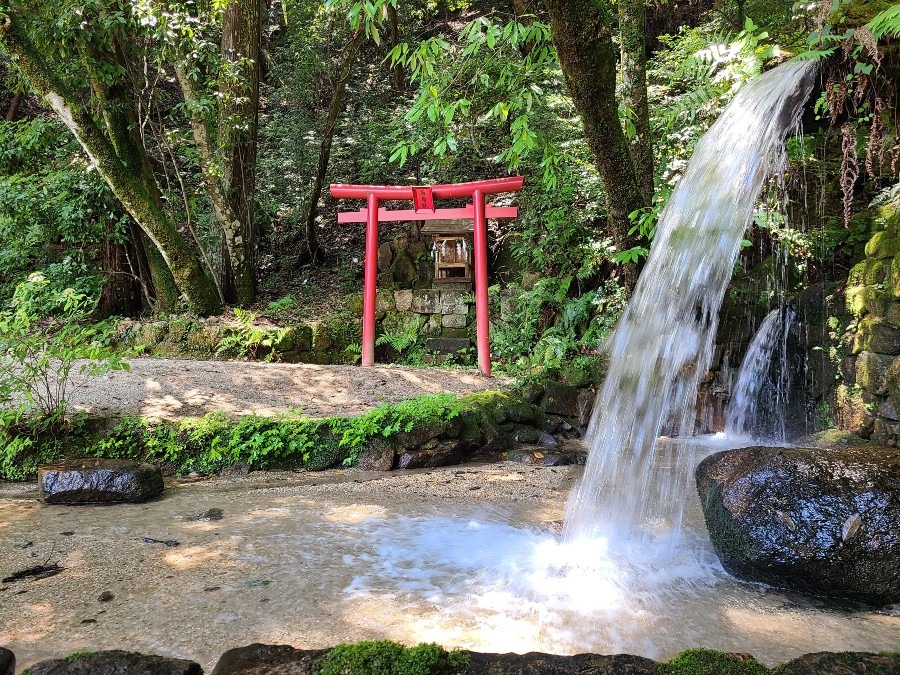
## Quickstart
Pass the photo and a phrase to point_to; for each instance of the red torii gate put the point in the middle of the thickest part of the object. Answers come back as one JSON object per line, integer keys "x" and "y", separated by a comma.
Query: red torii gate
{"x": 423, "y": 209}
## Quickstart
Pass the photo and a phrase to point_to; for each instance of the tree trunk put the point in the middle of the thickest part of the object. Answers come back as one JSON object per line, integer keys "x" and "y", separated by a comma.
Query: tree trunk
{"x": 632, "y": 21}
{"x": 583, "y": 40}
{"x": 397, "y": 70}
{"x": 130, "y": 190}
{"x": 334, "y": 109}
{"x": 14, "y": 107}
{"x": 237, "y": 127}
{"x": 121, "y": 294}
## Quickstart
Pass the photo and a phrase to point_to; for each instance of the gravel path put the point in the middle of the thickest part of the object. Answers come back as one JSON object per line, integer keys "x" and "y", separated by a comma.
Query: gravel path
{"x": 173, "y": 389}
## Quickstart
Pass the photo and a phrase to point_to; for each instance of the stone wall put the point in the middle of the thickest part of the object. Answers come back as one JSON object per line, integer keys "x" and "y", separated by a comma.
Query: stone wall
{"x": 868, "y": 397}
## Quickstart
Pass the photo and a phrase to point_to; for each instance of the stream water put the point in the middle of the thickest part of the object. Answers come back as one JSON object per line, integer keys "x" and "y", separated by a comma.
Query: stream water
{"x": 463, "y": 556}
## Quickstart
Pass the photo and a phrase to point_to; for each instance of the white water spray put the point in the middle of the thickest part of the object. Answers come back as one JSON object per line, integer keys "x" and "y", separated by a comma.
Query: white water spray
{"x": 663, "y": 344}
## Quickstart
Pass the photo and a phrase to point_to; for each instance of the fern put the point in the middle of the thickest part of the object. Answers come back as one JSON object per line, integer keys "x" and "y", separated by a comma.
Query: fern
{"x": 886, "y": 24}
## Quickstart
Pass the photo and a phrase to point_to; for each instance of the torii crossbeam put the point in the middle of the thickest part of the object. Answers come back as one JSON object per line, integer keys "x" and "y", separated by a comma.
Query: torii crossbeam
{"x": 423, "y": 198}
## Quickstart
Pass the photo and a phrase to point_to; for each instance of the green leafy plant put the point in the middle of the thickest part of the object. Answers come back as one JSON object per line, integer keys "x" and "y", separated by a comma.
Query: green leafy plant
{"x": 46, "y": 340}
{"x": 250, "y": 340}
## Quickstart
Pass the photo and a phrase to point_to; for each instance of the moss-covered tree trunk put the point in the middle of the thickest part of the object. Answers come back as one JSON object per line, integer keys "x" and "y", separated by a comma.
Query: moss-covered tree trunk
{"x": 583, "y": 39}
{"x": 125, "y": 184}
{"x": 632, "y": 21}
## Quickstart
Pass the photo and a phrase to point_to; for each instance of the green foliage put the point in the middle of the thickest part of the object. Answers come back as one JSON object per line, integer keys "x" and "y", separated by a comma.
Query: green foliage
{"x": 42, "y": 337}
{"x": 383, "y": 657}
{"x": 290, "y": 440}
{"x": 710, "y": 662}
{"x": 551, "y": 324}
{"x": 405, "y": 339}
{"x": 54, "y": 214}
{"x": 250, "y": 340}
{"x": 493, "y": 75}
{"x": 46, "y": 337}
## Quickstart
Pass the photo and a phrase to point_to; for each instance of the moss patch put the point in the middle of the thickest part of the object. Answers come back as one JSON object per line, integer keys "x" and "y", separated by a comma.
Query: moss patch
{"x": 383, "y": 657}
{"x": 710, "y": 662}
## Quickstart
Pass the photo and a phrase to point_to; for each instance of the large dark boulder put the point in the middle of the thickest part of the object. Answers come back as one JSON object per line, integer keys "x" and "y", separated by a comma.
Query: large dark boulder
{"x": 7, "y": 662}
{"x": 259, "y": 659}
{"x": 98, "y": 481}
{"x": 815, "y": 520}
{"x": 845, "y": 663}
{"x": 116, "y": 662}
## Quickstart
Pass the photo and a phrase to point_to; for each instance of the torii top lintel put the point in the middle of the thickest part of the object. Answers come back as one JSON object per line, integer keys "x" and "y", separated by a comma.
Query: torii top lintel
{"x": 490, "y": 186}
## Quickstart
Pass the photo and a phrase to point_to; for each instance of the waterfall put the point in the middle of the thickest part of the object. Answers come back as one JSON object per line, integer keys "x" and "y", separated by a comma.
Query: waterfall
{"x": 663, "y": 343}
{"x": 759, "y": 398}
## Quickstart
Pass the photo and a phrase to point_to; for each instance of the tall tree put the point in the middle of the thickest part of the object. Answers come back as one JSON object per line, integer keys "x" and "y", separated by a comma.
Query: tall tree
{"x": 126, "y": 181}
{"x": 632, "y": 25}
{"x": 582, "y": 34}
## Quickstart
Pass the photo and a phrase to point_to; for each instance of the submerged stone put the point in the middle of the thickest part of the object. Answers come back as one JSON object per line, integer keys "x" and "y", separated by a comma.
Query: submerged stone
{"x": 814, "y": 520}
{"x": 98, "y": 481}
{"x": 116, "y": 662}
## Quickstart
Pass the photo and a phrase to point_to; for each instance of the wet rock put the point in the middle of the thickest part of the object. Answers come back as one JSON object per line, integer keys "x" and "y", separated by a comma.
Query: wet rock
{"x": 97, "y": 481}
{"x": 210, "y": 515}
{"x": 116, "y": 662}
{"x": 560, "y": 399}
{"x": 536, "y": 663}
{"x": 379, "y": 456}
{"x": 7, "y": 662}
{"x": 441, "y": 454}
{"x": 527, "y": 435}
{"x": 259, "y": 659}
{"x": 846, "y": 663}
{"x": 585, "y": 402}
{"x": 556, "y": 459}
{"x": 813, "y": 520}
{"x": 545, "y": 440}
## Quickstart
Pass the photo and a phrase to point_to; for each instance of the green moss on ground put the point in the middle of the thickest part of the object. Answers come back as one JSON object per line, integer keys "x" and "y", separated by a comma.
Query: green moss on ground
{"x": 383, "y": 657}
{"x": 710, "y": 662}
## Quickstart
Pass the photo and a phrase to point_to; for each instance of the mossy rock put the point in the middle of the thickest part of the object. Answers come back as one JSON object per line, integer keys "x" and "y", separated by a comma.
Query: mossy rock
{"x": 710, "y": 662}
{"x": 869, "y": 272}
{"x": 383, "y": 657}
{"x": 875, "y": 335}
{"x": 892, "y": 382}
{"x": 845, "y": 663}
{"x": 871, "y": 372}
{"x": 857, "y": 12}
{"x": 832, "y": 438}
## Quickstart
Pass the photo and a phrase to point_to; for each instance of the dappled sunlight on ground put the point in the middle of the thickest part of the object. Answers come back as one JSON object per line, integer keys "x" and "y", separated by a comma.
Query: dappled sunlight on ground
{"x": 172, "y": 389}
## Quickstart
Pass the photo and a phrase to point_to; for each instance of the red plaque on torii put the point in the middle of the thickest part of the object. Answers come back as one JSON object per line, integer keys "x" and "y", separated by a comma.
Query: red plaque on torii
{"x": 423, "y": 198}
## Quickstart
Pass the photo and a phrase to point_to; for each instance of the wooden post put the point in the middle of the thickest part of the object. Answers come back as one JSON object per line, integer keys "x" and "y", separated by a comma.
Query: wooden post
{"x": 482, "y": 318}
{"x": 371, "y": 279}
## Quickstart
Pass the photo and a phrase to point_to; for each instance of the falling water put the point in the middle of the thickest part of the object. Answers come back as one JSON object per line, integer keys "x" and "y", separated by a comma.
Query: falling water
{"x": 663, "y": 344}
{"x": 758, "y": 400}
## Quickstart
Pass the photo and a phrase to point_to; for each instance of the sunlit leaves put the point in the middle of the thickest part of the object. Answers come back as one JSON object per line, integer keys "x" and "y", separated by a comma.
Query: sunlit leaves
{"x": 490, "y": 78}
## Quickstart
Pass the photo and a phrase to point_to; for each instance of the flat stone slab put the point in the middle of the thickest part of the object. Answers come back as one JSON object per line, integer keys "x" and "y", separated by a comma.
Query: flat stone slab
{"x": 98, "y": 481}
{"x": 117, "y": 662}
